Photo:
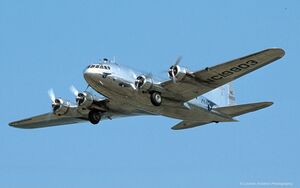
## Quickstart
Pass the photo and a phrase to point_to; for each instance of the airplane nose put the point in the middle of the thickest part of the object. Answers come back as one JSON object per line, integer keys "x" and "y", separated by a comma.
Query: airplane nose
{"x": 87, "y": 74}
{"x": 90, "y": 75}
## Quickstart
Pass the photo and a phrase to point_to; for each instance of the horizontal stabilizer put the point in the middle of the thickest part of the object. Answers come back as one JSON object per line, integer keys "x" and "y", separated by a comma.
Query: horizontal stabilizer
{"x": 188, "y": 124}
{"x": 243, "y": 108}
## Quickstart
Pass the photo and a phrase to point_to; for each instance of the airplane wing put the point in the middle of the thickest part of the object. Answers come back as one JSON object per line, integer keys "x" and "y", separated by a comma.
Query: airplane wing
{"x": 203, "y": 81}
{"x": 74, "y": 114}
{"x": 46, "y": 120}
{"x": 51, "y": 119}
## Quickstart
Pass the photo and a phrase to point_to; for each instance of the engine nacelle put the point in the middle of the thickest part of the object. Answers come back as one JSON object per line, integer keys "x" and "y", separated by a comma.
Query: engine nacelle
{"x": 143, "y": 82}
{"x": 60, "y": 107}
{"x": 85, "y": 99}
{"x": 176, "y": 72}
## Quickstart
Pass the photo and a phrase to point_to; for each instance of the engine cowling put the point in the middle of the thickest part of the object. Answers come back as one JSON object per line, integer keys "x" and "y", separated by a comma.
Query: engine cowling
{"x": 176, "y": 72}
{"x": 84, "y": 99}
{"x": 143, "y": 82}
{"x": 60, "y": 107}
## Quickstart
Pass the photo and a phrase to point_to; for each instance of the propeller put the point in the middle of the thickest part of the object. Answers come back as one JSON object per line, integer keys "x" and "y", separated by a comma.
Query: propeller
{"x": 79, "y": 96}
{"x": 178, "y": 60}
{"x": 51, "y": 95}
{"x": 74, "y": 90}
{"x": 133, "y": 85}
{"x": 173, "y": 75}
{"x": 55, "y": 102}
{"x": 139, "y": 81}
{"x": 173, "y": 69}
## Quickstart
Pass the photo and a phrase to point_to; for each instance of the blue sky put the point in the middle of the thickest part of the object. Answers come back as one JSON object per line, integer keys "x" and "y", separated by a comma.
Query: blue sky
{"x": 47, "y": 44}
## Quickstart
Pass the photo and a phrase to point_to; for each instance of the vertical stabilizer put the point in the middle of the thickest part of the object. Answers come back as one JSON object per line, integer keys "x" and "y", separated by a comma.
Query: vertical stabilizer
{"x": 222, "y": 96}
{"x": 231, "y": 96}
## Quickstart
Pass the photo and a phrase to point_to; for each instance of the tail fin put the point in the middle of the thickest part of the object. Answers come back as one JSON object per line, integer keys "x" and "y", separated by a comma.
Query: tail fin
{"x": 231, "y": 96}
{"x": 222, "y": 96}
{"x": 237, "y": 110}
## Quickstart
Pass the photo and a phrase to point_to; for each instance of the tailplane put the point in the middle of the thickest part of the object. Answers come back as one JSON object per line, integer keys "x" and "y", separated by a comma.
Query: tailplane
{"x": 230, "y": 111}
{"x": 237, "y": 110}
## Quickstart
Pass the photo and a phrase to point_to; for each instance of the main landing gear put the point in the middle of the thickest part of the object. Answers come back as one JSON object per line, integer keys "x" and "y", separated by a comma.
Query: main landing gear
{"x": 94, "y": 116}
{"x": 155, "y": 98}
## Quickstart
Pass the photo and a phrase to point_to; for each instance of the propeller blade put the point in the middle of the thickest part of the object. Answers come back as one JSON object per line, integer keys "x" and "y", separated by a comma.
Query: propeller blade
{"x": 133, "y": 86}
{"x": 74, "y": 90}
{"x": 178, "y": 60}
{"x": 149, "y": 75}
{"x": 173, "y": 76}
{"x": 51, "y": 95}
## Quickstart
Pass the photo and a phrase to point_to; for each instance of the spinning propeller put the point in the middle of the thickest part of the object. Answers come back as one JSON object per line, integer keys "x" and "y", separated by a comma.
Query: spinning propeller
{"x": 55, "y": 101}
{"x": 79, "y": 96}
{"x": 173, "y": 70}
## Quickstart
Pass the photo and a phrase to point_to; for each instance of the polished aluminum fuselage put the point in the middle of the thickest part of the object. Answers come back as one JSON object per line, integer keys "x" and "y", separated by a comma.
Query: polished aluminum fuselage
{"x": 117, "y": 83}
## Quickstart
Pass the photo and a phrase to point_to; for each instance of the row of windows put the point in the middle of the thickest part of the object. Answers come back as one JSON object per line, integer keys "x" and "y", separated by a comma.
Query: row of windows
{"x": 99, "y": 66}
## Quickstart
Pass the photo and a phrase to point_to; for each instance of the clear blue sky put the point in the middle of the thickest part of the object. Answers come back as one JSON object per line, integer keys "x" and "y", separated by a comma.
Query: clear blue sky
{"x": 47, "y": 44}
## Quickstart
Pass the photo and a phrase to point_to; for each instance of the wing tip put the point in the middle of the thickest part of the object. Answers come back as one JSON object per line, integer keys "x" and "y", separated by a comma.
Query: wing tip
{"x": 175, "y": 128}
{"x": 14, "y": 124}
{"x": 267, "y": 104}
{"x": 279, "y": 51}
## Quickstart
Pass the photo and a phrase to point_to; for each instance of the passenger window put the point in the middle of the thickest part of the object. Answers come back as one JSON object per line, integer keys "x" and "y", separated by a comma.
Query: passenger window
{"x": 105, "y": 67}
{"x": 92, "y": 66}
{"x": 101, "y": 67}
{"x": 108, "y": 68}
{"x": 97, "y": 66}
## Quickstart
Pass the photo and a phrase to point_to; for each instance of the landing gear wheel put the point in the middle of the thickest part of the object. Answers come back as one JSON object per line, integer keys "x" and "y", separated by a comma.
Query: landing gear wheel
{"x": 94, "y": 117}
{"x": 156, "y": 98}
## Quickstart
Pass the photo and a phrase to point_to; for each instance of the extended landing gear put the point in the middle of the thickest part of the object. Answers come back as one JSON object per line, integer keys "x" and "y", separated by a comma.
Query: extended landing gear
{"x": 155, "y": 98}
{"x": 94, "y": 117}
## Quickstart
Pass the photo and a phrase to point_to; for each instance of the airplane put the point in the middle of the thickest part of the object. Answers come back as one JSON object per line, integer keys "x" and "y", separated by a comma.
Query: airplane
{"x": 195, "y": 98}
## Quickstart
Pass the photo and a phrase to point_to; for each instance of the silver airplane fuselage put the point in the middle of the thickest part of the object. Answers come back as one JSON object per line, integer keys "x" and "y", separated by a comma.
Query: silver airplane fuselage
{"x": 118, "y": 83}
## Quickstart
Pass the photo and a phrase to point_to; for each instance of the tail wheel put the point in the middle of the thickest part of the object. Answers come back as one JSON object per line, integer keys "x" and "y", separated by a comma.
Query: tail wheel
{"x": 94, "y": 117}
{"x": 156, "y": 98}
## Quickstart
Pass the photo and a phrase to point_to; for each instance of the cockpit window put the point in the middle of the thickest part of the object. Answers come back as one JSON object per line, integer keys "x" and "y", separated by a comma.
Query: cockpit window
{"x": 99, "y": 66}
